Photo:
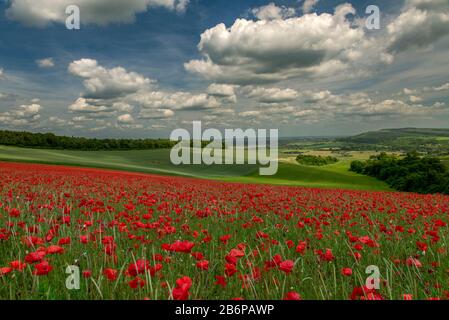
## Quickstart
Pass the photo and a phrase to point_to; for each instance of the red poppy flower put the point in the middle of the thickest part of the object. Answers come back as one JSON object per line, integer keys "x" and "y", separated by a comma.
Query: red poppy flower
{"x": 5, "y": 270}
{"x": 109, "y": 248}
{"x": 292, "y": 296}
{"x": 36, "y": 256}
{"x": 42, "y": 269}
{"x": 14, "y": 213}
{"x": 64, "y": 241}
{"x": 346, "y": 272}
{"x": 153, "y": 270}
{"x": 18, "y": 265}
{"x": 137, "y": 283}
{"x": 290, "y": 244}
{"x": 87, "y": 274}
{"x": 327, "y": 256}
{"x": 158, "y": 257}
{"x": 111, "y": 274}
{"x": 181, "y": 291}
{"x": 413, "y": 262}
{"x": 357, "y": 256}
{"x": 33, "y": 241}
{"x": 301, "y": 248}
{"x": 224, "y": 239}
{"x": 197, "y": 255}
{"x": 138, "y": 267}
{"x": 55, "y": 250}
{"x": 179, "y": 246}
{"x": 422, "y": 246}
{"x": 84, "y": 239}
{"x": 364, "y": 293}
{"x": 230, "y": 259}
{"x": 274, "y": 262}
{"x": 221, "y": 281}
{"x": 286, "y": 266}
{"x": 236, "y": 253}
{"x": 203, "y": 265}
{"x": 230, "y": 269}
{"x": 262, "y": 235}
{"x": 66, "y": 220}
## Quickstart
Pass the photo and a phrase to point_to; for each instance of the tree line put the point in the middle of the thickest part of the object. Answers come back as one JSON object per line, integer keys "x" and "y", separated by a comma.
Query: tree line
{"x": 412, "y": 173}
{"x": 52, "y": 141}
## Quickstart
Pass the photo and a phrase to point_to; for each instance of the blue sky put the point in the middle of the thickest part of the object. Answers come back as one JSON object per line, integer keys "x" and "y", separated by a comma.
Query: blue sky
{"x": 279, "y": 67}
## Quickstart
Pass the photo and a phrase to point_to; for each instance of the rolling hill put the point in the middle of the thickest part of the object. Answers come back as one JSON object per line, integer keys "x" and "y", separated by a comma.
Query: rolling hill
{"x": 158, "y": 162}
{"x": 433, "y": 141}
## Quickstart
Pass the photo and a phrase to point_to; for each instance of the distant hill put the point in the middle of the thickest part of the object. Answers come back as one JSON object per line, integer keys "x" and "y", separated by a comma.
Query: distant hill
{"x": 390, "y": 135}
{"x": 433, "y": 141}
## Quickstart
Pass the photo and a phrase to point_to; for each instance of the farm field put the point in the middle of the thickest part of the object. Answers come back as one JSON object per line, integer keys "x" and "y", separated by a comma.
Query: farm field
{"x": 157, "y": 162}
{"x": 336, "y": 176}
{"x": 148, "y": 161}
{"x": 139, "y": 236}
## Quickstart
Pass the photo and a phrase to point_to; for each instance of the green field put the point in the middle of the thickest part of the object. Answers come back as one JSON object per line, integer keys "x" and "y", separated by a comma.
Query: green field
{"x": 445, "y": 160}
{"x": 332, "y": 176}
{"x": 158, "y": 162}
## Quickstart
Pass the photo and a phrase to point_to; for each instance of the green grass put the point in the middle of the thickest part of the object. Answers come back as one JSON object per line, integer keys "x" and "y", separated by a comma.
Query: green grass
{"x": 158, "y": 162}
{"x": 445, "y": 160}
{"x": 331, "y": 176}
{"x": 147, "y": 161}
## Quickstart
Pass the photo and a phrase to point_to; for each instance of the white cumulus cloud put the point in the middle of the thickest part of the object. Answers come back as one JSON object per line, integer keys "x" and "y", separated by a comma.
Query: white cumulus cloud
{"x": 444, "y": 87}
{"x": 103, "y": 83}
{"x": 273, "y": 50}
{"x": 308, "y": 5}
{"x": 45, "y": 63}
{"x": 272, "y": 11}
{"x": 125, "y": 119}
{"x": 421, "y": 23}
{"x": 225, "y": 92}
{"x": 40, "y": 13}
{"x": 272, "y": 95}
{"x": 156, "y": 114}
{"x": 21, "y": 116}
{"x": 175, "y": 101}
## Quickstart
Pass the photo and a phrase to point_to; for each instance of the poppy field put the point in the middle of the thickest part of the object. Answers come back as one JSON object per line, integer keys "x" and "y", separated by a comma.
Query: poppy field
{"x": 139, "y": 236}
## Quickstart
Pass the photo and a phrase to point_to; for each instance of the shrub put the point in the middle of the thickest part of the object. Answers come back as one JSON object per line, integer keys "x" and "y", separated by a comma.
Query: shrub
{"x": 315, "y": 160}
